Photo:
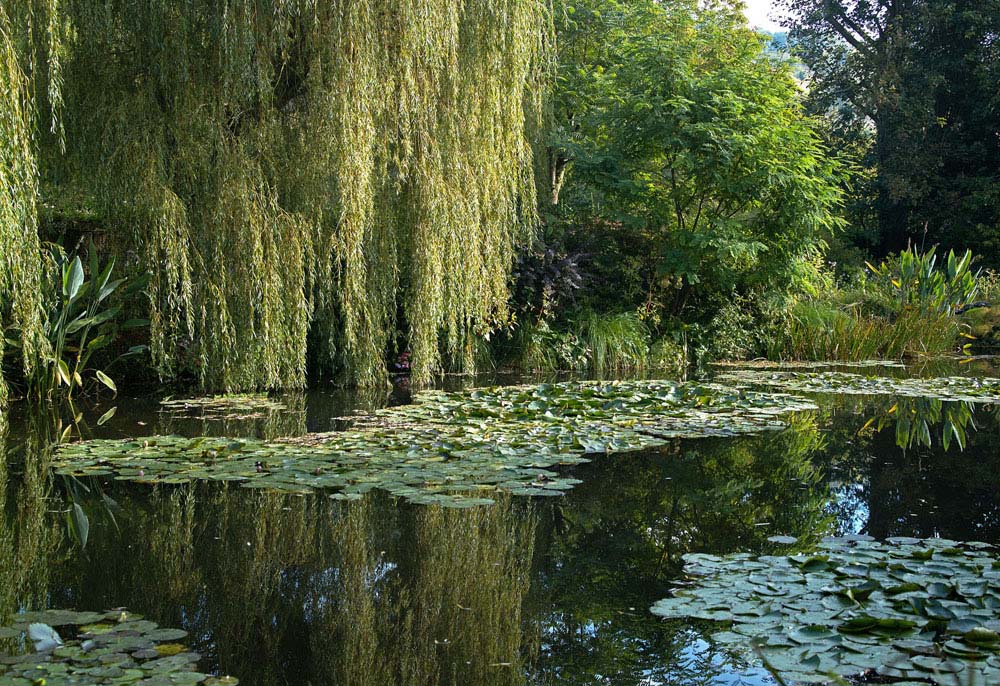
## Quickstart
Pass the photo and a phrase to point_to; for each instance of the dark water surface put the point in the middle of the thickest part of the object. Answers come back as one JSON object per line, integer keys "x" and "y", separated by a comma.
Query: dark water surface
{"x": 289, "y": 589}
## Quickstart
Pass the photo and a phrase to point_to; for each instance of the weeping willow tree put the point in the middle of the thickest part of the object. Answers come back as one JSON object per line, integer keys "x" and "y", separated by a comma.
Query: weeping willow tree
{"x": 305, "y": 177}
{"x": 20, "y": 256}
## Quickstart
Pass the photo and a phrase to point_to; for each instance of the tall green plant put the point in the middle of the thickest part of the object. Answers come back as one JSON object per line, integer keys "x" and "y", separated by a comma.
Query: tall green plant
{"x": 917, "y": 281}
{"x": 617, "y": 342}
{"x": 821, "y": 331}
{"x": 81, "y": 323}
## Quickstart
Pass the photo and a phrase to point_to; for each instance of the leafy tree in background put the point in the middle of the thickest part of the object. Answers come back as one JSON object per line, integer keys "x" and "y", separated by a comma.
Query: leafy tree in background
{"x": 680, "y": 160}
{"x": 912, "y": 87}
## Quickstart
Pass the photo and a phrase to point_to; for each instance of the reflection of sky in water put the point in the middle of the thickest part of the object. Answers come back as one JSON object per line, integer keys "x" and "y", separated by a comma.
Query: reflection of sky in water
{"x": 698, "y": 662}
{"x": 698, "y": 657}
{"x": 851, "y": 508}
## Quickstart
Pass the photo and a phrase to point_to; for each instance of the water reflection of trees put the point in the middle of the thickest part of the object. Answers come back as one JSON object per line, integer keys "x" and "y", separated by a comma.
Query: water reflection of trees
{"x": 283, "y": 589}
{"x": 614, "y": 547}
{"x": 923, "y": 421}
{"x": 891, "y": 480}
{"x": 29, "y": 536}
{"x": 266, "y": 422}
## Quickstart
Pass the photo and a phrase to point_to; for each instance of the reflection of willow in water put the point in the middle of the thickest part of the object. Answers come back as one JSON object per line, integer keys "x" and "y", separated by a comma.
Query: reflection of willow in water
{"x": 29, "y": 537}
{"x": 284, "y": 589}
{"x": 449, "y": 613}
{"x": 614, "y": 547}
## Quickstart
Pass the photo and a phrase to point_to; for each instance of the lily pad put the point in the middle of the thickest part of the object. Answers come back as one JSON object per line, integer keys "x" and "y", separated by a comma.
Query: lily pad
{"x": 938, "y": 627}
{"x": 450, "y": 448}
{"x": 95, "y": 649}
{"x": 221, "y": 407}
{"x": 955, "y": 388}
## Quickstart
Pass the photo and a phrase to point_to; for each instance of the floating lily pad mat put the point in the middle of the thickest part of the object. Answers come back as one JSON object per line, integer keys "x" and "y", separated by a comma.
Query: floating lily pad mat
{"x": 806, "y": 364}
{"x": 450, "y": 448}
{"x": 917, "y": 610}
{"x": 95, "y": 648}
{"x": 224, "y": 406}
{"x": 946, "y": 388}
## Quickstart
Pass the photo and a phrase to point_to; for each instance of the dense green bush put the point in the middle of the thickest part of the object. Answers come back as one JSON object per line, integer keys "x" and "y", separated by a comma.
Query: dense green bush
{"x": 680, "y": 164}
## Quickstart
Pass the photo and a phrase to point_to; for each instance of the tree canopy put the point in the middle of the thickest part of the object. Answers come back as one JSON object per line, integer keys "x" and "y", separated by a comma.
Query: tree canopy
{"x": 682, "y": 138}
{"x": 911, "y": 85}
{"x": 298, "y": 177}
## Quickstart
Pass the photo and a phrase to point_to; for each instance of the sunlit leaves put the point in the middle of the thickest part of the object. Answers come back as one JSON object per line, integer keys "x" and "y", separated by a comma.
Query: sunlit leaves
{"x": 20, "y": 257}
{"x": 304, "y": 178}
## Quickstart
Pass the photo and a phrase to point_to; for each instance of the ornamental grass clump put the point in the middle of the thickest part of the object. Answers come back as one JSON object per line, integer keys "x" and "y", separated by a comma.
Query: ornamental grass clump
{"x": 903, "y": 308}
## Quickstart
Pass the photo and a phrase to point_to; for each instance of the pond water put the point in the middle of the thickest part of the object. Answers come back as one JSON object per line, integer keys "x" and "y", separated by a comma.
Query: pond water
{"x": 303, "y": 589}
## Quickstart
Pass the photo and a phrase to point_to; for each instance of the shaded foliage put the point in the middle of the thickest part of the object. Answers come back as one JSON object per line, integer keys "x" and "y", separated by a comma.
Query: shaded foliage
{"x": 910, "y": 87}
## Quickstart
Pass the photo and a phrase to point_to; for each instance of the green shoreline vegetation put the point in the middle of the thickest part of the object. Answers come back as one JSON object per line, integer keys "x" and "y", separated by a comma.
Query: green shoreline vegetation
{"x": 332, "y": 194}
{"x": 240, "y": 200}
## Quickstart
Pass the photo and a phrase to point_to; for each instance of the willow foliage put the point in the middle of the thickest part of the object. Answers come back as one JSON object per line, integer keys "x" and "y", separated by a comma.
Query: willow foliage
{"x": 306, "y": 171}
{"x": 20, "y": 259}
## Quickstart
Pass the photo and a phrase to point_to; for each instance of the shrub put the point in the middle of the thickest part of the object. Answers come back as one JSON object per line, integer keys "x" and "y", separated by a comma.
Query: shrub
{"x": 902, "y": 308}
{"x": 736, "y": 331}
{"x": 668, "y": 355}
{"x": 599, "y": 343}
{"x": 537, "y": 347}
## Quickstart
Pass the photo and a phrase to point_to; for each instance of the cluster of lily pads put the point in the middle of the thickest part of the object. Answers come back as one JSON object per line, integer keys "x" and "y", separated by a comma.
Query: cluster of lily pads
{"x": 104, "y": 648}
{"x": 807, "y": 364}
{"x": 449, "y": 448}
{"x": 916, "y": 610}
{"x": 224, "y": 406}
{"x": 955, "y": 388}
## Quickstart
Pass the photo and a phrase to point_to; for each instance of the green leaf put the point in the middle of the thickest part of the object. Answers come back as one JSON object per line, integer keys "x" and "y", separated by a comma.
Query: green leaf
{"x": 80, "y": 524}
{"x": 64, "y": 374}
{"x": 74, "y": 279}
{"x": 107, "y": 415}
{"x": 108, "y": 289}
{"x": 106, "y": 380}
{"x": 78, "y": 323}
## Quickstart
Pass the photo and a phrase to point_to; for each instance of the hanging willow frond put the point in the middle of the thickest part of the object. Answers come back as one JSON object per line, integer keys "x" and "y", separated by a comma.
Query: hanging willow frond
{"x": 20, "y": 256}
{"x": 308, "y": 170}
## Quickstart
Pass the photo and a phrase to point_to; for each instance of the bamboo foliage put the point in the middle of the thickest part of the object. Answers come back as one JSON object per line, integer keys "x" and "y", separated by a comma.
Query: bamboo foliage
{"x": 305, "y": 172}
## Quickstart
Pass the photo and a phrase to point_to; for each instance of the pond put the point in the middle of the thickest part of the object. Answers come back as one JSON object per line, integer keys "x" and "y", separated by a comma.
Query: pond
{"x": 302, "y": 588}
